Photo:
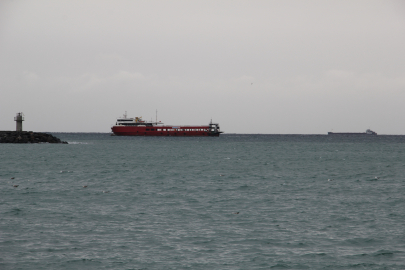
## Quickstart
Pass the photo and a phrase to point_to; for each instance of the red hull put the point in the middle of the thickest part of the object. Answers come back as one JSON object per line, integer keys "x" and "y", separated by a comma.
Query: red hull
{"x": 163, "y": 131}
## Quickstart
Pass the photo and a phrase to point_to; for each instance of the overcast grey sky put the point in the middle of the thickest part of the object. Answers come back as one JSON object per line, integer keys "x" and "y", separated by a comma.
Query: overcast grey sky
{"x": 253, "y": 66}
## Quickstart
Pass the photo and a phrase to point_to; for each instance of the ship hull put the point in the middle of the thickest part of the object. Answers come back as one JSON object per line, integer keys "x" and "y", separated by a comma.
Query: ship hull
{"x": 351, "y": 133}
{"x": 185, "y": 131}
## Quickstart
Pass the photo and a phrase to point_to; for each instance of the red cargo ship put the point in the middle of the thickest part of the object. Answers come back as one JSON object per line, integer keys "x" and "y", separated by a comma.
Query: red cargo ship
{"x": 138, "y": 127}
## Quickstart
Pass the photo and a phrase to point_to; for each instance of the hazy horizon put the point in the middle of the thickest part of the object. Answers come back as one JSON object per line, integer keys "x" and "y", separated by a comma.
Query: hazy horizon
{"x": 259, "y": 67}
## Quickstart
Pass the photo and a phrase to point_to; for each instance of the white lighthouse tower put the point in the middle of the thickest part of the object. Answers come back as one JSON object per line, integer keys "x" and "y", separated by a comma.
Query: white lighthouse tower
{"x": 19, "y": 119}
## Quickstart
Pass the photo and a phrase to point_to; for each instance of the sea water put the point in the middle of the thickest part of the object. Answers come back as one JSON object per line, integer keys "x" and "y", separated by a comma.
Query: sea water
{"x": 233, "y": 202}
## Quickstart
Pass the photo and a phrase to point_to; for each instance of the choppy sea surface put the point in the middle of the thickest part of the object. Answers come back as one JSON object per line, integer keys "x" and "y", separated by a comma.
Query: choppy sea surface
{"x": 233, "y": 202}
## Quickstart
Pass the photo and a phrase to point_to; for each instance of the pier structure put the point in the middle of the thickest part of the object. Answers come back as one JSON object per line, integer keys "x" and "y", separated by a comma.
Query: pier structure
{"x": 20, "y": 136}
{"x": 19, "y": 118}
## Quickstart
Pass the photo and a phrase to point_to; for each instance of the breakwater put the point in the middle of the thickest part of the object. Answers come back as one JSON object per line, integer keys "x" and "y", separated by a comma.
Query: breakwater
{"x": 28, "y": 137}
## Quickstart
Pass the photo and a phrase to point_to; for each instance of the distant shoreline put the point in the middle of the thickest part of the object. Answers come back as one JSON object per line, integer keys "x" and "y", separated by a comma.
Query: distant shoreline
{"x": 259, "y": 134}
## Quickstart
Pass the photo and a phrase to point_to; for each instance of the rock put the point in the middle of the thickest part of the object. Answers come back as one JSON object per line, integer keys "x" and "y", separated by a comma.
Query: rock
{"x": 27, "y": 137}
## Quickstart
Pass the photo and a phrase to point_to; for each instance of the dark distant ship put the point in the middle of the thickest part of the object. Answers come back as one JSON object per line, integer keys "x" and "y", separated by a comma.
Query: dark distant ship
{"x": 368, "y": 132}
{"x": 126, "y": 126}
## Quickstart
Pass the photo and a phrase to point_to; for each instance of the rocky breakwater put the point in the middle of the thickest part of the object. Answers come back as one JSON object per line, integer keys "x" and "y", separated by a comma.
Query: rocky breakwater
{"x": 27, "y": 137}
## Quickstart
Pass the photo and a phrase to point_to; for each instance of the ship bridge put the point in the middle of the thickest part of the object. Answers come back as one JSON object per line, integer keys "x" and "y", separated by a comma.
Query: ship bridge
{"x": 214, "y": 128}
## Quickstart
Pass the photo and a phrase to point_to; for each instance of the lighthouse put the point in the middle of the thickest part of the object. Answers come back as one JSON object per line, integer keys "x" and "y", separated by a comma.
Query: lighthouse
{"x": 19, "y": 118}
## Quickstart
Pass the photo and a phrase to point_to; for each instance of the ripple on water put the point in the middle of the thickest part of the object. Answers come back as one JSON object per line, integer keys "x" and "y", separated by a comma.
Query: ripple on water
{"x": 171, "y": 203}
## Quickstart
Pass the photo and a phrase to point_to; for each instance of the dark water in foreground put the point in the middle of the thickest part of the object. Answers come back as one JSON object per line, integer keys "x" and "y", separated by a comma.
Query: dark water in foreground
{"x": 170, "y": 203}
